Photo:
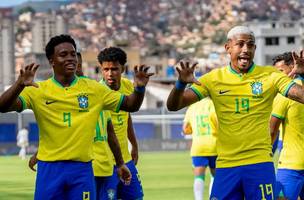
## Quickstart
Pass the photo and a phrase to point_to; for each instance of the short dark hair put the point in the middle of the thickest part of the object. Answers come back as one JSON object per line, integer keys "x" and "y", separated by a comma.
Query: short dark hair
{"x": 79, "y": 55}
{"x": 286, "y": 57}
{"x": 112, "y": 54}
{"x": 56, "y": 40}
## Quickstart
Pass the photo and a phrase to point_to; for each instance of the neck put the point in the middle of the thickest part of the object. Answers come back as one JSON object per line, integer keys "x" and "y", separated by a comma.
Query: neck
{"x": 65, "y": 81}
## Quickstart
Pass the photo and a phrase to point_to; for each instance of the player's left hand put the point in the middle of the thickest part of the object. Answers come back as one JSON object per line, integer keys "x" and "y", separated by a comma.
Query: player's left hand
{"x": 134, "y": 154}
{"x": 124, "y": 174}
{"x": 32, "y": 162}
{"x": 141, "y": 75}
{"x": 298, "y": 64}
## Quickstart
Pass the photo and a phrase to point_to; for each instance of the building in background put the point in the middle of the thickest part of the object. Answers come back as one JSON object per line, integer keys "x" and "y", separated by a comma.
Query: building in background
{"x": 7, "y": 63}
{"x": 45, "y": 26}
{"x": 273, "y": 38}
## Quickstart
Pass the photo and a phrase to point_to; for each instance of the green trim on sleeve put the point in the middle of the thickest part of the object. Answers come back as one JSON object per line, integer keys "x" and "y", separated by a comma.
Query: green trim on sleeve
{"x": 198, "y": 94}
{"x": 122, "y": 97}
{"x": 23, "y": 103}
{"x": 288, "y": 88}
{"x": 277, "y": 116}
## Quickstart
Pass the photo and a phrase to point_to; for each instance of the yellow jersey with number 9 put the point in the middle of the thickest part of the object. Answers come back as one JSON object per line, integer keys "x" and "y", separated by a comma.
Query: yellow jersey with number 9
{"x": 103, "y": 158}
{"x": 202, "y": 118}
{"x": 67, "y": 116}
{"x": 243, "y": 104}
{"x": 120, "y": 120}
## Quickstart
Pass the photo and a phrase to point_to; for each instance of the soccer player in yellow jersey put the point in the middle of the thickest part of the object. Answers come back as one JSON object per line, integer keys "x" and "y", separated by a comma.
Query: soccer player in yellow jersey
{"x": 242, "y": 93}
{"x": 66, "y": 109}
{"x": 290, "y": 114}
{"x": 200, "y": 121}
{"x": 112, "y": 61}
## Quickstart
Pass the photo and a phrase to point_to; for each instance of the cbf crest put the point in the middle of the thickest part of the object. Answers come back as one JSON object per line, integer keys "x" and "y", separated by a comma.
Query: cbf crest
{"x": 83, "y": 102}
{"x": 256, "y": 88}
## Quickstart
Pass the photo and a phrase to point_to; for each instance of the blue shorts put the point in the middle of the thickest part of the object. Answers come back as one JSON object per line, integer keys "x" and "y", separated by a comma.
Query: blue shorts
{"x": 255, "y": 181}
{"x": 291, "y": 182}
{"x": 132, "y": 191}
{"x": 64, "y": 180}
{"x": 204, "y": 161}
{"x": 106, "y": 187}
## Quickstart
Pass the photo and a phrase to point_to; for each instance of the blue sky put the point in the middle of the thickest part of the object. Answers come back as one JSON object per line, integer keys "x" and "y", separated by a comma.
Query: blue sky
{"x": 8, "y": 3}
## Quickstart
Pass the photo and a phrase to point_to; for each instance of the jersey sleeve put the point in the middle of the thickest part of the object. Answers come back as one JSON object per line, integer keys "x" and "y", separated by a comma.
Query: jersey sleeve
{"x": 202, "y": 90}
{"x": 280, "y": 107}
{"x": 110, "y": 99}
{"x": 26, "y": 97}
{"x": 282, "y": 82}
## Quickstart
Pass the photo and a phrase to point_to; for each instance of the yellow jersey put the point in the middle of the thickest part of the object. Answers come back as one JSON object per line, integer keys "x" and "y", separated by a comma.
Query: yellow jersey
{"x": 243, "y": 104}
{"x": 67, "y": 116}
{"x": 292, "y": 115}
{"x": 201, "y": 116}
{"x": 120, "y": 120}
{"x": 103, "y": 158}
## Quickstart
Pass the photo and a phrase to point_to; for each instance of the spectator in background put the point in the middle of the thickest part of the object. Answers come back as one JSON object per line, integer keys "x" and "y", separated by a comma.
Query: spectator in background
{"x": 22, "y": 142}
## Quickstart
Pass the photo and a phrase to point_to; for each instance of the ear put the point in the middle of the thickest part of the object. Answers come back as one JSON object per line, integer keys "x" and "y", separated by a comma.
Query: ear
{"x": 123, "y": 68}
{"x": 227, "y": 47}
{"x": 51, "y": 62}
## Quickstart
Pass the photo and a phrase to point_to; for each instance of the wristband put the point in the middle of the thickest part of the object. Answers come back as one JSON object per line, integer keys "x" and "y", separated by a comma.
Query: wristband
{"x": 180, "y": 85}
{"x": 140, "y": 89}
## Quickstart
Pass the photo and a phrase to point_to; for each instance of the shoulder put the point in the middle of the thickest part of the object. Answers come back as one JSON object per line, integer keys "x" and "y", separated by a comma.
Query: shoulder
{"x": 127, "y": 84}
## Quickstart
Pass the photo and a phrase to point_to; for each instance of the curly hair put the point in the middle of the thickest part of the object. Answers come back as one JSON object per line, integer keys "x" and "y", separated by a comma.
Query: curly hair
{"x": 56, "y": 40}
{"x": 112, "y": 54}
{"x": 287, "y": 57}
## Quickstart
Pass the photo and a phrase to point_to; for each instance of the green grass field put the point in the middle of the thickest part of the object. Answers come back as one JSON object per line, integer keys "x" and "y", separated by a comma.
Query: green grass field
{"x": 164, "y": 175}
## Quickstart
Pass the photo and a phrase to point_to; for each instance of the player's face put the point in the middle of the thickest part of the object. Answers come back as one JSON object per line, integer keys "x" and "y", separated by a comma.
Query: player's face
{"x": 283, "y": 67}
{"x": 241, "y": 49}
{"x": 111, "y": 73}
{"x": 64, "y": 60}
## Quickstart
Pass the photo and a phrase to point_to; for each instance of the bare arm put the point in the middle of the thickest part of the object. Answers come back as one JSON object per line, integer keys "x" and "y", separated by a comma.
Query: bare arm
{"x": 179, "y": 97}
{"x": 133, "y": 141}
{"x": 114, "y": 144}
{"x": 133, "y": 102}
{"x": 274, "y": 128}
{"x": 296, "y": 92}
{"x": 9, "y": 99}
{"x": 122, "y": 170}
{"x": 187, "y": 129}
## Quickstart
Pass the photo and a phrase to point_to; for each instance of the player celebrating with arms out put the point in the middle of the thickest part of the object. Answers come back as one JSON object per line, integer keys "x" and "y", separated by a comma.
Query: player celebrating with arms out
{"x": 66, "y": 109}
{"x": 242, "y": 93}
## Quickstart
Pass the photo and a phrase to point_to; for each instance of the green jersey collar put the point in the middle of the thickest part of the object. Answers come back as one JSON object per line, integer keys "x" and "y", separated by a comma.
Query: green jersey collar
{"x": 252, "y": 66}
{"x": 59, "y": 84}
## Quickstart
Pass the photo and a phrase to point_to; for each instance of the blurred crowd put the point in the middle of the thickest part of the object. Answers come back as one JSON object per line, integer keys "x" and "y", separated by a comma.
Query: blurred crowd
{"x": 175, "y": 28}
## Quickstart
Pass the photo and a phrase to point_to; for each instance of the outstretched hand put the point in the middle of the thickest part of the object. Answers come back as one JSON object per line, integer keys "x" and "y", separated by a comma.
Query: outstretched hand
{"x": 186, "y": 72}
{"x": 27, "y": 75}
{"x": 124, "y": 174}
{"x": 141, "y": 75}
{"x": 298, "y": 64}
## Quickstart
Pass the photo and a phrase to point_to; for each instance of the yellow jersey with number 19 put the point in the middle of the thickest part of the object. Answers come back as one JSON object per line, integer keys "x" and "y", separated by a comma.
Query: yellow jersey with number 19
{"x": 67, "y": 116}
{"x": 120, "y": 120}
{"x": 243, "y": 104}
{"x": 201, "y": 116}
{"x": 292, "y": 114}
{"x": 103, "y": 158}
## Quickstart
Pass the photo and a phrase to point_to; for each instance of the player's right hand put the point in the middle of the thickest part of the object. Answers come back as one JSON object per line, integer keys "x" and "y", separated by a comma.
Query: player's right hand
{"x": 124, "y": 174}
{"x": 27, "y": 74}
{"x": 186, "y": 72}
{"x": 32, "y": 162}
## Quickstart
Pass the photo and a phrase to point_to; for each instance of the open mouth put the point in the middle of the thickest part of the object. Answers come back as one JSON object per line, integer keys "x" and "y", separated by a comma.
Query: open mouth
{"x": 244, "y": 60}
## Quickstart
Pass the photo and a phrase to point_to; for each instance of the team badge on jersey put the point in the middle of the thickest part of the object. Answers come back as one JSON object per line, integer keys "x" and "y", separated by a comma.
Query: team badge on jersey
{"x": 256, "y": 88}
{"x": 83, "y": 101}
{"x": 111, "y": 194}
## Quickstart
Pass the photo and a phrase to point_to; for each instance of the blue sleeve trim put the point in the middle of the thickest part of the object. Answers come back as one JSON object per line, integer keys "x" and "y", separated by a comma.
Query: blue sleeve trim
{"x": 288, "y": 88}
